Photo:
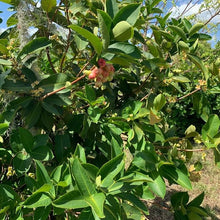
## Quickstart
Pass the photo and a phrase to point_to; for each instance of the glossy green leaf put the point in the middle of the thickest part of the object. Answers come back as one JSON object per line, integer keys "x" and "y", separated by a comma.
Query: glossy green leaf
{"x": 94, "y": 40}
{"x": 199, "y": 63}
{"x": 71, "y": 200}
{"x": 33, "y": 115}
{"x": 85, "y": 185}
{"x": 42, "y": 213}
{"x": 90, "y": 93}
{"x": 42, "y": 176}
{"x": 26, "y": 139}
{"x": 80, "y": 153}
{"x": 158, "y": 185}
{"x": 176, "y": 175}
{"x": 43, "y": 153}
{"x": 178, "y": 31}
{"x": 128, "y": 13}
{"x": 105, "y": 22}
{"x": 96, "y": 202}
{"x": 37, "y": 200}
{"x": 125, "y": 48}
{"x": 22, "y": 163}
{"x": 62, "y": 146}
{"x": 34, "y": 45}
{"x": 195, "y": 28}
{"x": 12, "y": 20}
{"x": 110, "y": 169}
{"x": 48, "y": 5}
{"x": 159, "y": 102}
{"x": 181, "y": 79}
{"x": 111, "y": 7}
{"x": 5, "y": 62}
{"x": 198, "y": 200}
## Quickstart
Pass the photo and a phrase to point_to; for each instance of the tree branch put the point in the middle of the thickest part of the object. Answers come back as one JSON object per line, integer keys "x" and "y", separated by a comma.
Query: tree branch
{"x": 189, "y": 94}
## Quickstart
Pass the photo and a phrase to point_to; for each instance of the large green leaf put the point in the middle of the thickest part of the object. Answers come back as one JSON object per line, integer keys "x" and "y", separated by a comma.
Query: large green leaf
{"x": 41, "y": 174}
{"x": 176, "y": 175}
{"x": 195, "y": 28}
{"x": 110, "y": 169}
{"x": 22, "y": 163}
{"x": 34, "y": 45}
{"x": 210, "y": 130}
{"x": 33, "y": 114}
{"x": 178, "y": 31}
{"x": 42, "y": 213}
{"x": 5, "y": 62}
{"x": 159, "y": 102}
{"x": 111, "y": 7}
{"x": 18, "y": 86}
{"x": 199, "y": 63}
{"x": 158, "y": 185}
{"x": 96, "y": 202}
{"x": 26, "y": 139}
{"x": 94, "y": 40}
{"x": 71, "y": 200}
{"x": 43, "y": 153}
{"x": 129, "y": 13}
{"x": 37, "y": 200}
{"x": 62, "y": 146}
{"x": 135, "y": 201}
{"x": 80, "y": 153}
{"x": 125, "y": 49}
{"x": 48, "y": 5}
{"x": 85, "y": 185}
{"x": 105, "y": 22}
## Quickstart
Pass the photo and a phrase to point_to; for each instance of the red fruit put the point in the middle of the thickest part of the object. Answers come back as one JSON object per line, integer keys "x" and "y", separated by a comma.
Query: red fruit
{"x": 109, "y": 67}
{"x": 94, "y": 73}
{"x": 101, "y": 62}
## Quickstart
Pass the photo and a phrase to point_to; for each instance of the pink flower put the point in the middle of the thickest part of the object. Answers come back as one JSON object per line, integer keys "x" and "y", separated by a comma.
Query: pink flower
{"x": 101, "y": 62}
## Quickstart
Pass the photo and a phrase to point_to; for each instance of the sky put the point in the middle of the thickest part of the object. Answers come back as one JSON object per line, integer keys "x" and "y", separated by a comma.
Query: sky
{"x": 175, "y": 11}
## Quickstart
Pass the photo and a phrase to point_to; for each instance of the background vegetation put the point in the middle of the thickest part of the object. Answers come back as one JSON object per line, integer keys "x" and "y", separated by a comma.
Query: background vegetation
{"x": 102, "y": 106}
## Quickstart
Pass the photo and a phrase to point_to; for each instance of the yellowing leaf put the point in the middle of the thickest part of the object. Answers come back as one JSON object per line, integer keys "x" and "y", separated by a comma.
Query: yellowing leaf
{"x": 154, "y": 119}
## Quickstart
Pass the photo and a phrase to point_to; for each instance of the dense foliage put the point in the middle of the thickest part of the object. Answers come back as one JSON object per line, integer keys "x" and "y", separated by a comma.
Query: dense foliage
{"x": 100, "y": 106}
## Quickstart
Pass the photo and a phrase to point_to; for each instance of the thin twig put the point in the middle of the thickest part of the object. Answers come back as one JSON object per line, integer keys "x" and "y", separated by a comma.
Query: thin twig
{"x": 64, "y": 87}
{"x": 49, "y": 59}
{"x": 217, "y": 13}
{"x": 189, "y": 94}
{"x": 191, "y": 150}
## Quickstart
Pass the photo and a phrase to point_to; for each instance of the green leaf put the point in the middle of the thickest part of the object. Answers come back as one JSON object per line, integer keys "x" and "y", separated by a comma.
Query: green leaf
{"x": 197, "y": 201}
{"x": 125, "y": 49}
{"x": 181, "y": 79}
{"x": 37, "y": 200}
{"x": 5, "y": 62}
{"x": 105, "y": 22}
{"x": 94, "y": 113}
{"x": 80, "y": 153}
{"x": 176, "y": 175}
{"x": 50, "y": 108}
{"x": 198, "y": 62}
{"x": 33, "y": 115}
{"x": 8, "y": 197}
{"x": 42, "y": 213}
{"x": 159, "y": 102}
{"x": 62, "y": 146}
{"x": 71, "y": 200}
{"x": 96, "y": 202}
{"x": 211, "y": 128}
{"x": 42, "y": 153}
{"x": 94, "y": 40}
{"x": 111, "y": 7}
{"x": 3, "y": 127}
{"x": 195, "y": 28}
{"x": 26, "y": 139}
{"x": 12, "y": 20}
{"x": 110, "y": 169}
{"x": 22, "y": 163}
{"x": 90, "y": 93}
{"x": 178, "y": 31}
{"x": 158, "y": 185}
{"x": 41, "y": 173}
{"x": 18, "y": 86}
{"x": 85, "y": 185}
{"x": 135, "y": 201}
{"x": 129, "y": 13}
{"x": 48, "y": 5}
{"x": 145, "y": 160}
{"x": 34, "y": 45}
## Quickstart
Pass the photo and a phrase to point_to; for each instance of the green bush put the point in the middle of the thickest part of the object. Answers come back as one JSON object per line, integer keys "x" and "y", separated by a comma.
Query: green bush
{"x": 90, "y": 126}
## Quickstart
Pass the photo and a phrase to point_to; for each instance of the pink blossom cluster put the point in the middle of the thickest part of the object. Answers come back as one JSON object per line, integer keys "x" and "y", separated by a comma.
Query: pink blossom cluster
{"x": 103, "y": 73}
